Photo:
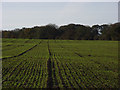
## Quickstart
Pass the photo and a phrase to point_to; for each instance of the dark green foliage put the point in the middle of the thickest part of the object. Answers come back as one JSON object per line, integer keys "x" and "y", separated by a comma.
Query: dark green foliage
{"x": 69, "y": 32}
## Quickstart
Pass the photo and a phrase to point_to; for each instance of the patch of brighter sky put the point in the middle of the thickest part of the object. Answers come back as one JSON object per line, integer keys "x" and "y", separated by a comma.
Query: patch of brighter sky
{"x": 29, "y": 14}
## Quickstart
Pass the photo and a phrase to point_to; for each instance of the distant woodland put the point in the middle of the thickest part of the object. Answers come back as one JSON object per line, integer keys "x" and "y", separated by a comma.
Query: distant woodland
{"x": 67, "y": 32}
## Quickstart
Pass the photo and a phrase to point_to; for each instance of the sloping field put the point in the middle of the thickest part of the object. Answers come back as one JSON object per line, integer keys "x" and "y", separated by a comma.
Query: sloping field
{"x": 34, "y": 63}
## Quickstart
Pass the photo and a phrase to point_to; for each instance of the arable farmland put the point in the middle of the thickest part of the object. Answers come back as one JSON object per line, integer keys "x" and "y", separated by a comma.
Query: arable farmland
{"x": 37, "y": 63}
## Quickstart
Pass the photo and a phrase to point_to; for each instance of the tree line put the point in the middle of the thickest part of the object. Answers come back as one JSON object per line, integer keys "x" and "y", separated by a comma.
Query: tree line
{"x": 67, "y": 32}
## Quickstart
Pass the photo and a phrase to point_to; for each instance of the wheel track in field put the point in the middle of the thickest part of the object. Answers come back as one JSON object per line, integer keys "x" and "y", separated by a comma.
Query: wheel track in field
{"x": 20, "y": 53}
{"x": 78, "y": 54}
{"x": 93, "y": 73}
{"x": 90, "y": 70}
{"x": 19, "y": 63}
{"x": 97, "y": 62}
{"x": 51, "y": 71}
{"x": 85, "y": 66}
{"x": 49, "y": 67}
{"x": 20, "y": 68}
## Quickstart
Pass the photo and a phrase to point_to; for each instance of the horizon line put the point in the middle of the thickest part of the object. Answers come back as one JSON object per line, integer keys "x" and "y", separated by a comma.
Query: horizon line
{"x": 58, "y": 25}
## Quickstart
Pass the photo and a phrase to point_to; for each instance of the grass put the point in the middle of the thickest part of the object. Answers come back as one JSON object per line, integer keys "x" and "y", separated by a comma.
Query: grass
{"x": 59, "y": 63}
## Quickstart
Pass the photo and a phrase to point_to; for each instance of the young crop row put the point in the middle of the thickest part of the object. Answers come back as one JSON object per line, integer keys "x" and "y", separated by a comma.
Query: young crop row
{"x": 62, "y": 64}
{"x": 17, "y": 47}
{"x": 26, "y": 71}
{"x": 26, "y": 75}
{"x": 87, "y": 73}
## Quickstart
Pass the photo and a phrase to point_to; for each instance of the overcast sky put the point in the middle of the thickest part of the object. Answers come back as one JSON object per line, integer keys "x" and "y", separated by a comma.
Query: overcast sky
{"x": 29, "y": 14}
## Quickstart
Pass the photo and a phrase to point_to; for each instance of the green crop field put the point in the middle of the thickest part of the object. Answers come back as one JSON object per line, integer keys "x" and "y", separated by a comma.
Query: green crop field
{"x": 37, "y": 63}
